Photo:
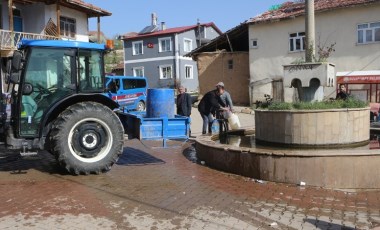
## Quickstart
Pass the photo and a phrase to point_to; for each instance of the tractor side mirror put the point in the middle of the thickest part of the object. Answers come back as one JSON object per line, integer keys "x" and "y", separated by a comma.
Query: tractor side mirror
{"x": 16, "y": 61}
{"x": 27, "y": 89}
{"x": 15, "y": 67}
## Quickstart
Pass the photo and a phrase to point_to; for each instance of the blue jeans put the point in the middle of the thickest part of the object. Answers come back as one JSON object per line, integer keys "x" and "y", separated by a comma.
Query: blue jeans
{"x": 207, "y": 122}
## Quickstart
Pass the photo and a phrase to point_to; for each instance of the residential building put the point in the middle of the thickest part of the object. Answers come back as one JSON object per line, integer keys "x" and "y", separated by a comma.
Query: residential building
{"x": 35, "y": 19}
{"x": 158, "y": 53}
{"x": 225, "y": 59}
{"x": 277, "y": 38}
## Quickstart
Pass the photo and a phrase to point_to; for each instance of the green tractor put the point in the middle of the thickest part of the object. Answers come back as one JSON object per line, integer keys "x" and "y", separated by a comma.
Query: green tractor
{"x": 54, "y": 91}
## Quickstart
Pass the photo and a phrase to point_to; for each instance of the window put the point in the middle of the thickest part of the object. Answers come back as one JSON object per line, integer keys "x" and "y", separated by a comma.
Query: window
{"x": 133, "y": 83}
{"x": 188, "y": 71}
{"x": 369, "y": 32}
{"x": 230, "y": 64}
{"x": 297, "y": 42}
{"x": 138, "y": 71}
{"x": 187, "y": 45}
{"x": 165, "y": 44}
{"x": 166, "y": 72}
{"x": 254, "y": 43}
{"x": 137, "y": 48}
{"x": 90, "y": 70}
{"x": 68, "y": 27}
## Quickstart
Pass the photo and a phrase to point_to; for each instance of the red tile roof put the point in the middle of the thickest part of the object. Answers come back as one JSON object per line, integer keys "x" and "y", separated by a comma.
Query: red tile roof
{"x": 174, "y": 30}
{"x": 130, "y": 34}
{"x": 89, "y": 9}
{"x": 295, "y": 9}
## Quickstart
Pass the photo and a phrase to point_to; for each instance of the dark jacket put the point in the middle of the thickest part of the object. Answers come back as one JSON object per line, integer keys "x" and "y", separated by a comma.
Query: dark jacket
{"x": 210, "y": 103}
{"x": 184, "y": 104}
{"x": 341, "y": 96}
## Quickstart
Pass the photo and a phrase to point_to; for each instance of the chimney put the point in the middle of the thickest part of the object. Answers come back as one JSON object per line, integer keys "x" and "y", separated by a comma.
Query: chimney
{"x": 154, "y": 19}
{"x": 163, "y": 26}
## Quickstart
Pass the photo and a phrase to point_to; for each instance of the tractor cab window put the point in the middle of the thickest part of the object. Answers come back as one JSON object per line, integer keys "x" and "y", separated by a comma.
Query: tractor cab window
{"x": 50, "y": 74}
{"x": 90, "y": 71}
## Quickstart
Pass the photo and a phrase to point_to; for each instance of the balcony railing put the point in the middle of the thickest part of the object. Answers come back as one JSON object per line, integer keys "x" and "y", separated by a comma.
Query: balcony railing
{"x": 9, "y": 40}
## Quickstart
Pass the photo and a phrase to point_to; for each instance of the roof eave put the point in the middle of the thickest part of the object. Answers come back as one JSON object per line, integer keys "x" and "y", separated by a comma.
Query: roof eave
{"x": 91, "y": 12}
{"x": 198, "y": 50}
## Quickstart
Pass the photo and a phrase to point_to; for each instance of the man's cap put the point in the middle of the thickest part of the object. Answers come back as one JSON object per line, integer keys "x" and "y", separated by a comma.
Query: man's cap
{"x": 220, "y": 84}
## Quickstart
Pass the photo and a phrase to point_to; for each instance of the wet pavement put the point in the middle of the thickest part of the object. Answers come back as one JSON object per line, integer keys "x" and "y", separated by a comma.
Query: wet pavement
{"x": 155, "y": 188}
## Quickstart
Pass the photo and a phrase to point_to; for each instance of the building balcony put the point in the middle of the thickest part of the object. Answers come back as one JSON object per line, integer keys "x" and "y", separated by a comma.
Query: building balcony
{"x": 9, "y": 40}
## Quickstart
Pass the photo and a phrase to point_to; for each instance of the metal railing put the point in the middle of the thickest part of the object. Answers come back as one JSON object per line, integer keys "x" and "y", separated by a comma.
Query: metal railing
{"x": 9, "y": 40}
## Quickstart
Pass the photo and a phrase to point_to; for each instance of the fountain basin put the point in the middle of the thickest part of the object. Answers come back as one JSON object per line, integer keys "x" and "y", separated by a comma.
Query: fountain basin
{"x": 354, "y": 168}
{"x": 313, "y": 128}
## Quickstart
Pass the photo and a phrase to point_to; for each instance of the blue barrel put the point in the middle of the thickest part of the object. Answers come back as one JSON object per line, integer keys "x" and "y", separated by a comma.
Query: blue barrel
{"x": 160, "y": 103}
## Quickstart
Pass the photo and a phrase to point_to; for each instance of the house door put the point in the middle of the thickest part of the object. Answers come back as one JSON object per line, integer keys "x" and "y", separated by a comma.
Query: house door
{"x": 278, "y": 90}
{"x": 17, "y": 24}
{"x": 17, "y": 21}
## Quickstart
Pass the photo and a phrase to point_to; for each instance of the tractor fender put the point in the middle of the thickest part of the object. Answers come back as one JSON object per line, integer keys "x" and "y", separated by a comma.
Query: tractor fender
{"x": 63, "y": 104}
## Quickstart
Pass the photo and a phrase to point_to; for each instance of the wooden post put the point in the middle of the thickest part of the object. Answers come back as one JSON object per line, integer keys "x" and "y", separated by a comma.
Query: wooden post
{"x": 310, "y": 30}
{"x": 98, "y": 29}
{"x": 229, "y": 43}
{"x": 58, "y": 19}
{"x": 11, "y": 26}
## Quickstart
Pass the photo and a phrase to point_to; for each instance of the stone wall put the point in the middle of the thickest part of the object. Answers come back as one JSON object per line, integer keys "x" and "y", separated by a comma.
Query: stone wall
{"x": 313, "y": 127}
{"x": 213, "y": 67}
{"x": 336, "y": 168}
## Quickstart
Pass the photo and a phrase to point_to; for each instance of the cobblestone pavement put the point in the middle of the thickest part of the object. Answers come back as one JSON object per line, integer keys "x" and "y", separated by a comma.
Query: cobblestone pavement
{"x": 155, "y": 188}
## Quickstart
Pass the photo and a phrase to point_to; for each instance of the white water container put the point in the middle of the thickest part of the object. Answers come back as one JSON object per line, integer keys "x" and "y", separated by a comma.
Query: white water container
{"x": 234, "y": 122}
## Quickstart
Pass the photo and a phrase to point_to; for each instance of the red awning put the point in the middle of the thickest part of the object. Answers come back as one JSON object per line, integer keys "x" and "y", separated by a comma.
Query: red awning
{"x": 359, "y": 77}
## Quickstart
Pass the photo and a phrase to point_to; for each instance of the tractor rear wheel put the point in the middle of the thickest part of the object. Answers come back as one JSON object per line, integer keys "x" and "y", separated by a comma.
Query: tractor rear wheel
{"x": 87, "y": 138}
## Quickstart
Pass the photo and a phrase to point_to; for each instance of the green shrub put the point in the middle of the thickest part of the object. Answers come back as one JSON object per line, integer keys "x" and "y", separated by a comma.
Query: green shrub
{"x": 280, "y": 106}
{"x": 331, "y": 104}
{"x": 354, "y": 103}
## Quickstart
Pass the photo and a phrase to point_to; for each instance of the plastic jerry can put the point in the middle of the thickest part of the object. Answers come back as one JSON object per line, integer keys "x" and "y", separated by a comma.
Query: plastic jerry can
{"x": 234, "y": 122}
{"x": 215, "y": 127}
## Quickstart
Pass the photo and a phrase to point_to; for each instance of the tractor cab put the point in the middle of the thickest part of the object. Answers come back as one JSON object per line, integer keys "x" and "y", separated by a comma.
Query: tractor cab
{"x": 50, "y": 71}
{"x": 58, "y": 105}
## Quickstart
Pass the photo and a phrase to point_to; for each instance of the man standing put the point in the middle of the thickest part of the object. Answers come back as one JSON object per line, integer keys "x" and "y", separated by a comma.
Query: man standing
{"x": 208, "y": 106}
{"x": 225, "y": 97}
{"x": 183, "y": 102}
{"x": 342, "y": 95}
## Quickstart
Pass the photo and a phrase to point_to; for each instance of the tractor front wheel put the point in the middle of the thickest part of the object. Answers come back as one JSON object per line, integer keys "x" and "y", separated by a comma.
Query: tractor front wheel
{"x": 87, "y": 138}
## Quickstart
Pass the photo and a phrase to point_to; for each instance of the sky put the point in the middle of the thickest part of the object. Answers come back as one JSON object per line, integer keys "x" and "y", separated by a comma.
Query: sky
{"x": 134, "y": 15}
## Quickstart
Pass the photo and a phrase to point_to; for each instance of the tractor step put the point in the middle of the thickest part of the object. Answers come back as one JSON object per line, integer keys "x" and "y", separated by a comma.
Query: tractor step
{"x": 28, "y": 154}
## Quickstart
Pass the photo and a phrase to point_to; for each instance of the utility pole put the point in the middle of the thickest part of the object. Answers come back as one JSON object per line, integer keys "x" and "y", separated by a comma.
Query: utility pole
{"x": 310, "y": 30}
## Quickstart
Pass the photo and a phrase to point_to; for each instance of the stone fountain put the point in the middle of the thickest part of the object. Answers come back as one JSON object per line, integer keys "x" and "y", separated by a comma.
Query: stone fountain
{"x": 324, "y": 148}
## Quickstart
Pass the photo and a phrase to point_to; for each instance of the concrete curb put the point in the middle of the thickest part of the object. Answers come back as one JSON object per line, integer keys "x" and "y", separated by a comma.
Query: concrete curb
{"x": 246, "y": 111}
